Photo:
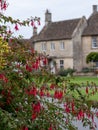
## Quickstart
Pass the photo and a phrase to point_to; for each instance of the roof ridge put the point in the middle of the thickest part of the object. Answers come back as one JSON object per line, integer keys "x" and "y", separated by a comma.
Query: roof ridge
{"x": 66, "y": 20}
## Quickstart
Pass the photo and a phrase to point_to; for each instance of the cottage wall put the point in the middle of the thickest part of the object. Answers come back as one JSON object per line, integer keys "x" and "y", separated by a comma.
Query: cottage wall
{"x": 58, "y": 54}
{"x": 87, "y": 48}
{"x": 77, "y": 45}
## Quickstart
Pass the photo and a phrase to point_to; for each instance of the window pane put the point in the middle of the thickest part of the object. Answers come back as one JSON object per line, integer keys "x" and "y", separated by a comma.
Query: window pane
{"x": 43, "y": 46}
{"x": 62, "y": 45}
{"x": 52, "y": 46}
{"x": 94, "y": 42}
{"x": 61, "y": 63}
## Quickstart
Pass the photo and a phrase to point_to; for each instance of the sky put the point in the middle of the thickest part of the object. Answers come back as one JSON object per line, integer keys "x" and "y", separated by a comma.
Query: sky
{"x": 60, "y": 9}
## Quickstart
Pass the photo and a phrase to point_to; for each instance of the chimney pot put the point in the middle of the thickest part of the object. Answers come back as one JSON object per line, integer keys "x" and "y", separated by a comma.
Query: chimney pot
{"x": 47, "y": 17}
{"x": 95, "y": 8}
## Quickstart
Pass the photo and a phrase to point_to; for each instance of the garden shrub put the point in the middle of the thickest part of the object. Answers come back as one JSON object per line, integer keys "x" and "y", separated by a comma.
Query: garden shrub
{"x": 87, "y": 70}
{"x": 65, "y": 72}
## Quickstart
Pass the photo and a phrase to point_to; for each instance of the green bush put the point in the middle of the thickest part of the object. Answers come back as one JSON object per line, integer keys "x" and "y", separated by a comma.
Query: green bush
{"x": 65, "y": 72}
{"x": 87, "y": 70}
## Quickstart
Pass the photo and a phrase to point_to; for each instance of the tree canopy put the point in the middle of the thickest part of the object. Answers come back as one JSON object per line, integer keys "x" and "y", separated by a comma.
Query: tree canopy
{"x": 92, "y": 57}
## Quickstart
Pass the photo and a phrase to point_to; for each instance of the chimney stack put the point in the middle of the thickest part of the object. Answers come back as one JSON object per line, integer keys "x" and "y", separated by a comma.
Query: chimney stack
{"x": 47, "y": 17}
{"x": 34, "y": 31}
{"x": 95, "y": 8}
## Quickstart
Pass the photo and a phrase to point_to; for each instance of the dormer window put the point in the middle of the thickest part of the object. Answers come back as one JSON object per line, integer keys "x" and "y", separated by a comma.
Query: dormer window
{"x": 43, "y": 47}
{"x": 52, "y": 46}
{"x": 62, "y": 46}
{"x": 94, "y": 42}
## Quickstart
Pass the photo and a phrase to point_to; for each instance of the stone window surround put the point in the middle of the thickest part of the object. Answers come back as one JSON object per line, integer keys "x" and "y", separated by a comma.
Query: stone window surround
{"x": 61, "y": 63}
{"x": 62, "y": 45}
{"x": 43, "y": 46}
{"x": 94, "y": 42}
{"x": 52, "y": 46}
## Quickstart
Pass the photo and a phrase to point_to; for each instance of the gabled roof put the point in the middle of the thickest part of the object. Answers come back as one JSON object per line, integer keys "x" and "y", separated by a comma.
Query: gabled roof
{"x": 57, "y": 30}
{"x": 92, "y": 27}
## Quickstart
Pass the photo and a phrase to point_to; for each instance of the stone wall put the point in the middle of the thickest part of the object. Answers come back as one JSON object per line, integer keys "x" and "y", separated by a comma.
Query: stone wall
{"x": 77, "y": 44}
{"x": 65, "y": 54}
{"x": 87, "y": 48}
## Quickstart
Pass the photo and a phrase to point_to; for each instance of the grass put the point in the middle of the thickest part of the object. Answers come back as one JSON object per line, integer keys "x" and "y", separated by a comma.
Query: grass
{"x": 84, "y": 80}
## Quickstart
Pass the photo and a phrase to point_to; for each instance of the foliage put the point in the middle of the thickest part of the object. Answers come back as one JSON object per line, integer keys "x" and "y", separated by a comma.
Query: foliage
{"x": 64, "y": 72}
{"x": 4, "y": 49}
{"x": 26, "y": 100}
{"x": 33, "y": 99}
{"x": 92, "y": 57}
{"x": 87, "y": 70}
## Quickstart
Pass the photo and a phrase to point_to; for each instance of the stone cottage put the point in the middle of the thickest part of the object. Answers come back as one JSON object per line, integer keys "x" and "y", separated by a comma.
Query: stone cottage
{"x": 67, "y": 42}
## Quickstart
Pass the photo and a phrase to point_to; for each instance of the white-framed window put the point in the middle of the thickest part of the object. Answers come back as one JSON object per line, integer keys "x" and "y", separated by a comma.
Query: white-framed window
{"x": 94, "y": 42}
{"x": 43, "y": 47}
{"x": 62, "y": 46}
{"x": 52, "y": 46}
{"x": 61, "y": 64}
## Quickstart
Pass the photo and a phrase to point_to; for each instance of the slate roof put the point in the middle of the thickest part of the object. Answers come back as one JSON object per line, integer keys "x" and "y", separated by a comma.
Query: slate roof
{"x": 92, "y": 28}
{"x": 57, "y": 30}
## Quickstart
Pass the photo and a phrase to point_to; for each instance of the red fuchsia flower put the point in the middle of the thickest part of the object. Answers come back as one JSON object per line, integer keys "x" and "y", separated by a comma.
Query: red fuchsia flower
{"x": 33, "y": 91}
{"x": 58, "y": 94}
{"x": 4, "y": 5}
{"x": 34, "y": 116}
{"x": 35, "y": 65}
{"x": 50, "y": 128}
{"x": 88, "y": 115}
{"x": 67, "y": 109}
{"x": 48, "y": 94}
{"x": 28, "y": 68}
{"x": 36, "y": 107}
{"x": 41, "y": 93}
{"x": 52, "y": 86}
{"x": 32, "y": 23}
{"x": 45, "y": 61}
{"x": 2, "y": 77}
{"x": 9, "y": 31}
{"x": 86, "y": 90}
{"x": 16, "y": 27}
{"x": 80, "y": 115}
{"x": 92, "y": 117}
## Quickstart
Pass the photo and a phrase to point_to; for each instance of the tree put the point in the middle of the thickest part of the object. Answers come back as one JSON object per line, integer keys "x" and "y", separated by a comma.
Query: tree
{"x": 92, "y": 57}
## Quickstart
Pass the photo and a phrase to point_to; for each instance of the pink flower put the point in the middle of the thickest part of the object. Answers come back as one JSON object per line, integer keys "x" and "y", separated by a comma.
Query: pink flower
{"x": 16, "y": 27}
{"x": 32, "y": 23}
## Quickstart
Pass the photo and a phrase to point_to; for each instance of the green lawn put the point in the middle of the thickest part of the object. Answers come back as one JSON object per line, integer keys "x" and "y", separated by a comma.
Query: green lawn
{"x": 84, "y": 79}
